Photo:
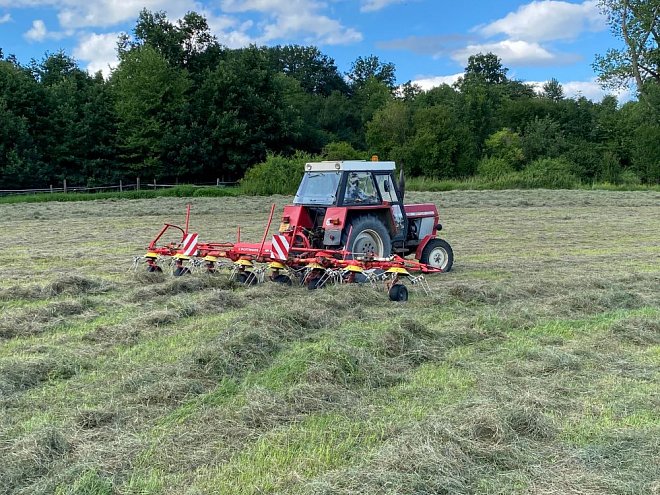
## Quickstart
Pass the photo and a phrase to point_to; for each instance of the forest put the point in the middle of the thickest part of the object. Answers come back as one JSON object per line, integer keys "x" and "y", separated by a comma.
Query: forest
{"x": 182, "y": 107}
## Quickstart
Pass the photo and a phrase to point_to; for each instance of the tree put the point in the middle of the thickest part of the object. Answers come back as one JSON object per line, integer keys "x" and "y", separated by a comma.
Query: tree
{"x": 365, "y": 68}
{"x": 543, "y": 137}
{"x": 438, "y": 147}
{"x": 486, "y": 68}
{"x": 316, "y": 72}
{"x": 150, "y": 103}
{"x": 187, "y": 44}
{"x": 390, "y": 129}
{"x": 553, "y": 90}
{"x": 637, "y": 23}
{"x": 243, "y": 113}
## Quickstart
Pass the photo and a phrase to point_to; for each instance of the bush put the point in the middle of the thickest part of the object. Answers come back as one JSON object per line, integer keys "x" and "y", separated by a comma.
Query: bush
{"x": 629, "y": 178}
{"x": 550, "y": 173}
{"x": 341, "y": 150}
{"x": 277, "y": 175}
{"x": 507, "y": 145}
{"x": 494, "y": 168}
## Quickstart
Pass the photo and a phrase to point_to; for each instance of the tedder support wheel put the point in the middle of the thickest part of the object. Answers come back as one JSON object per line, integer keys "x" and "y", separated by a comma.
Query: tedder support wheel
{"x": 368, "y": 235}
{"x": 247, "y": 278}
{"x": 283, "y": 279}
{"x": 398, "y": 292}
{"x": 438, "y": 254}
{"x": 313, "y": 284}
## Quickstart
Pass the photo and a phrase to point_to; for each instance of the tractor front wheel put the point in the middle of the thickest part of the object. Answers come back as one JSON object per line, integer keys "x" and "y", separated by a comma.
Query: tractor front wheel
{"x": 368, "y": 235}
{"x": 438, "y": 254}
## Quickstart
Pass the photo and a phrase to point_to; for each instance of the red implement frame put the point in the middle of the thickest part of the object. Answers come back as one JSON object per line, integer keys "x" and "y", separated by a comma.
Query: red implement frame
{"x": 300, "y": 254}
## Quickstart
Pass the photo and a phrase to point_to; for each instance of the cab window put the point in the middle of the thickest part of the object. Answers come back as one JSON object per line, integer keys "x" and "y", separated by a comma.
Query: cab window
{"x": 386, "y": 187}
{"x": 361, "y": 189}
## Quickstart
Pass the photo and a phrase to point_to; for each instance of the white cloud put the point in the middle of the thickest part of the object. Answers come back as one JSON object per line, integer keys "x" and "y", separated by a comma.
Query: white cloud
{"x": 515, "y": 53}
{"x": 75, "y": 14}
{"x": 286, "y": 20}
{"x": 573, "y": 89}
{"x": 427, "y": 83}
{"x": 548, "y": 20}
{"x": 5, "y": 18}
{"x": 99, "y": 51}
{"x": 104, "y": 13}
{"x": 293, "y": 18}
{"x": 593, "y": 91}
{"x": 374, "y": 5}
{"x": 230, "y": 31}
{"x": 37, "y": 32}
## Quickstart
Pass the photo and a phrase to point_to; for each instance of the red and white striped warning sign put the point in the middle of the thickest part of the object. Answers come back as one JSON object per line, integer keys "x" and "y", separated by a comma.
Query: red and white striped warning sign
{"x": 279, "y": 247}
{"x": 189, "y": 245}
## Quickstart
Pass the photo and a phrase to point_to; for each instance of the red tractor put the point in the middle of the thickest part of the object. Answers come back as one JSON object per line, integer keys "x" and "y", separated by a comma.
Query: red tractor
{"x": 358, "y": 206}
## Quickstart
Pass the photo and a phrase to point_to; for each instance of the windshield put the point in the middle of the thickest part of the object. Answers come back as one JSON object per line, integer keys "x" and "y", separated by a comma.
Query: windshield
{"x": 318, "y": 188}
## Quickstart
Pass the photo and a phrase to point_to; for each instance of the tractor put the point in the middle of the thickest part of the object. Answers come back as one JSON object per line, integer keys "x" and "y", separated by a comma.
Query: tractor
{"x": 359, "y": 206}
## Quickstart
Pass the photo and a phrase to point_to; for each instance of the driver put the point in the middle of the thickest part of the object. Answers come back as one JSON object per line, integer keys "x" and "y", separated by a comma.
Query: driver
{"x": 354, "y": 192}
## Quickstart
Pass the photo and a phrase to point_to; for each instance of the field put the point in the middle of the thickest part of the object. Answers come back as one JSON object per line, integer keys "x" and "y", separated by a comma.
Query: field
{"x": 534, "y": 367}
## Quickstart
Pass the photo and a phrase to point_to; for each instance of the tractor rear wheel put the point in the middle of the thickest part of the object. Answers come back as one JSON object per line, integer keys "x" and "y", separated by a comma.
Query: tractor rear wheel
{"x": 368, "y": 235}
{"x": 438, "y": 254}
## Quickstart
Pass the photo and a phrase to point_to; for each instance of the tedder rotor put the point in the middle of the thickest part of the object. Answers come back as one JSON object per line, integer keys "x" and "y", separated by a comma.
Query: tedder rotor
{"x": 347, "y": 224}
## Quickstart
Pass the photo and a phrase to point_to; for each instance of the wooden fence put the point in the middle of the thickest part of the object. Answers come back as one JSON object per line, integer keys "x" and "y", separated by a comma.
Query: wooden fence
{"x": 120, "y": 187}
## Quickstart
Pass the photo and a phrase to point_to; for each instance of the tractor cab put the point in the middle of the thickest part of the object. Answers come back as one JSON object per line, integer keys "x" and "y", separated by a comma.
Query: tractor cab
{"x": 350, "y": 188}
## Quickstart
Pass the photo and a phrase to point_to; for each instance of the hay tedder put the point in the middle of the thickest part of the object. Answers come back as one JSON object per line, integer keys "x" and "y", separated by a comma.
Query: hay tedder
{"x": 347, "y": 224}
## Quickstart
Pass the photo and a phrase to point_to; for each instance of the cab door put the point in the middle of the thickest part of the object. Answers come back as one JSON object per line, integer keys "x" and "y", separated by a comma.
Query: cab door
{"x": 390, "y": 194}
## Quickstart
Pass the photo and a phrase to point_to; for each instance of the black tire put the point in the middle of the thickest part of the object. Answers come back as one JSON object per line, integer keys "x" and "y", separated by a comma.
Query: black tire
{"x": 313, "y": 284}
{"x": 181, "y": 271}
{"x": 154, "y": 269}
{"x": 398, "y": 292}
{"x": 438, "y": 254}
{"x": 247, "y": 278}
{"x": 283, "y": 279}
{"x": 367, "y": 234}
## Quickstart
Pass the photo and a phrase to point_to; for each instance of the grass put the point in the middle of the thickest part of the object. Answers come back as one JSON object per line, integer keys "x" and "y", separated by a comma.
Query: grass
{"x": 532, "y": 368}
{"x": 419, "y": 184}
{"x": 517, "y": 181}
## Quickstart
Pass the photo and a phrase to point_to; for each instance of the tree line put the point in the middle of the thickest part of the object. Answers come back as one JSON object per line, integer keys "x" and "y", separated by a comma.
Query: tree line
{"x": 180, "y": 106}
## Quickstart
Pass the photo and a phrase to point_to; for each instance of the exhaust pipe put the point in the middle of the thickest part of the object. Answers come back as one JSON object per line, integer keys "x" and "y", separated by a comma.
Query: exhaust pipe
{"x": 402, "y": 183}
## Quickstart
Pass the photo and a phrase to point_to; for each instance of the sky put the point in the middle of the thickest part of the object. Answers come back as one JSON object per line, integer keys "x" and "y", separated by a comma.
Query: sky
{"x": 429, "y": 41}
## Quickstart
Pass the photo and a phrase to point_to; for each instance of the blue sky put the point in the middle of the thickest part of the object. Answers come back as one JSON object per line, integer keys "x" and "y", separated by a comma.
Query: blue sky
{"x": 428, "y": 40}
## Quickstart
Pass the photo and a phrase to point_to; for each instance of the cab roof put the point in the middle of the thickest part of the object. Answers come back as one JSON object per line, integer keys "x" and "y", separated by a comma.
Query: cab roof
{"x": 350, "y": 166}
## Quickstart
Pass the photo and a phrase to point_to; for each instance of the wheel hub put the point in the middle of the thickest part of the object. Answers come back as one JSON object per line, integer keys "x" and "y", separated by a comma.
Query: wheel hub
{"x": 438, "y": 258}
{"x": 368, "y": 241}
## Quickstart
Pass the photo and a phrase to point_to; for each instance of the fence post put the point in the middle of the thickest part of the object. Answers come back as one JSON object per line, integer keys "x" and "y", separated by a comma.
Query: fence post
{"x": 154, "y": 183}
{"x": 217, "y": 182}
{"x": 137, "y": 182}
{"x": 121, "y": 186}
{"x": 51, "y": 189}
{"x": 64, "y": 183}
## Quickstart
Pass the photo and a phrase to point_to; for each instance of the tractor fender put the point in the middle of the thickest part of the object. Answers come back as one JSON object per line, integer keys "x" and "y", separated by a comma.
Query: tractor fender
{"x": 422, "y": 245}
{"x": 337, "y": 217}
{"x": 333, "y": 225}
